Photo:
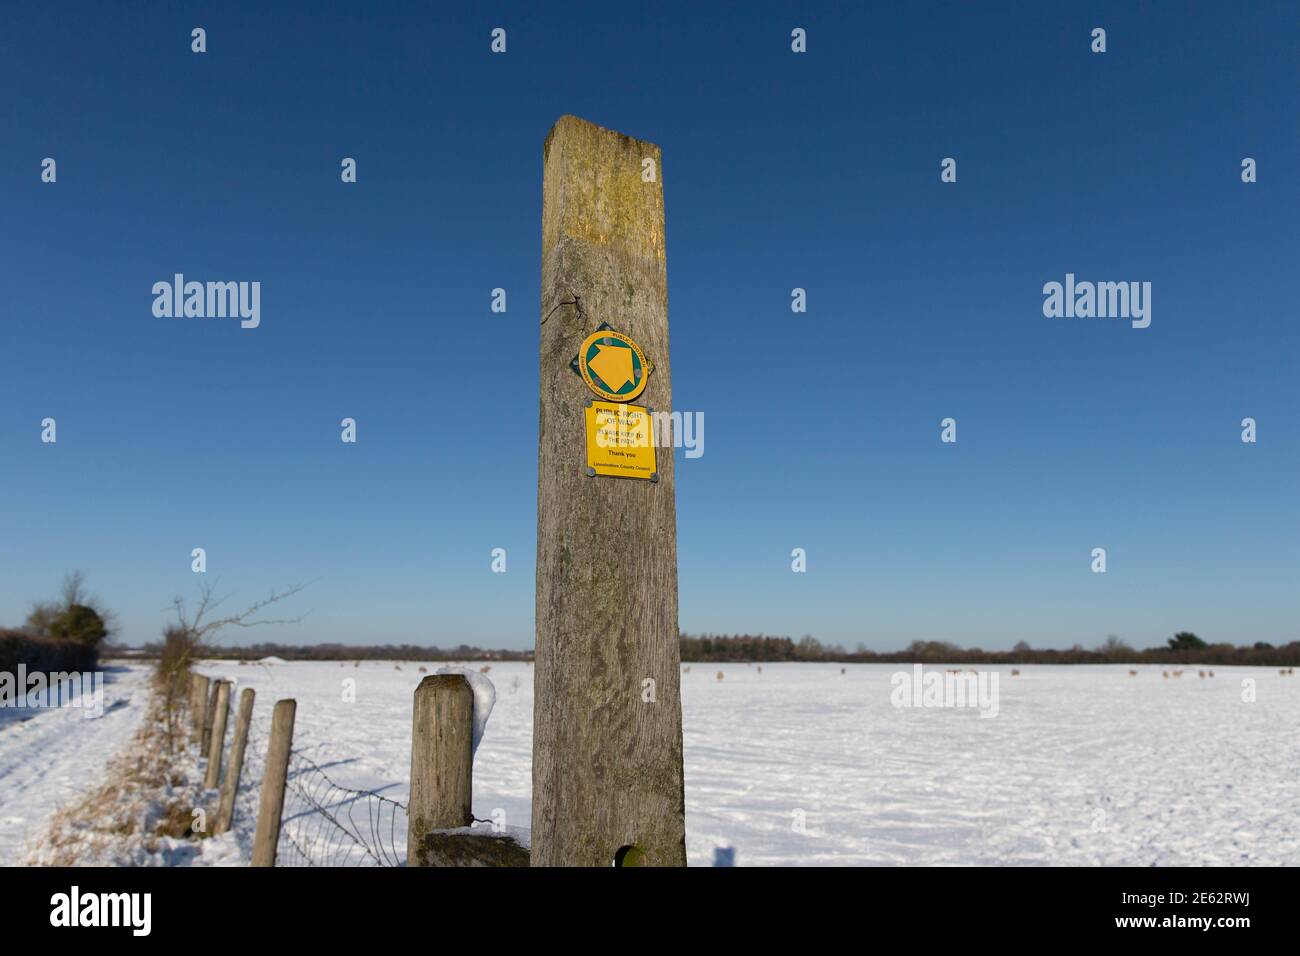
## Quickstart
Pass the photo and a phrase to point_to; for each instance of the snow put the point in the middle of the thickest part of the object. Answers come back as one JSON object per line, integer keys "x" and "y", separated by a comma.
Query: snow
{"x": 1182, "y": 771}
{"x": 51, "y": 756}
{"x": 801, "y": 765}
{"x": 485, "y": 697}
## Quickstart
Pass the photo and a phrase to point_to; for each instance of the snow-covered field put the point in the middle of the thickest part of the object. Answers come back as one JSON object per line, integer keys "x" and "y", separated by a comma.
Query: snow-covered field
{"x": 799, "y": 764}
{"x": 50, "y": 757}
{"x": 1082, "y": 765}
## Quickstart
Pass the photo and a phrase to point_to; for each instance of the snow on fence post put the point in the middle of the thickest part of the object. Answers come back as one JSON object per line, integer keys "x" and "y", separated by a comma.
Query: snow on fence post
{"x": 605, "y": 790}
{"x": 442, "y": 733}
{"x": 221, "y": 710}
{"x": 271, "y": 805}
{"x": 198, "y": 706}
{"x": 235, "y": 766}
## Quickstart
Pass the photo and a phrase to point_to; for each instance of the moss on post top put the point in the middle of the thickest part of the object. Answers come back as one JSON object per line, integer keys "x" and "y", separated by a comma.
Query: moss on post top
{"x": 595, "y": 190}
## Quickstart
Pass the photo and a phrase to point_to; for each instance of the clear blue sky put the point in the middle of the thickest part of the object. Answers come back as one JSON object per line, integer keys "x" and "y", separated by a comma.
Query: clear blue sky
{"x": 822, "y": 430}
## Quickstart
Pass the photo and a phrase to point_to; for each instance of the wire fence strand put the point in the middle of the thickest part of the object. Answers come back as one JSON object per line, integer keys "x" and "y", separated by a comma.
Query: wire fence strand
{"x": 325, "y": 823}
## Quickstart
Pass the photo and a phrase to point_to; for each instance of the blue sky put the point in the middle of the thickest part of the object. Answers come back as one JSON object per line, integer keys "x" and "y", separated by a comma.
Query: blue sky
{"x": 818, "y": 171}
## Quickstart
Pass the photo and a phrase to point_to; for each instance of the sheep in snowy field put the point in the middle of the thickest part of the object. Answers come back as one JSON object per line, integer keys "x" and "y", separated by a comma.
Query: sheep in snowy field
{"x": 1014, "y": 672}
{"x": 424, "y": 670}
{"x": 1164, "y": 673}
{"x": 1211, "y": 673}
{"x": 1132, "y": 673}
{"x": 843, "y": 670}
{"x": 760, "y": 668}
{"x": 686, "y": 670}
{"x": 1178, "y": 673}
{"x": 719, "y": 675}
{"x": 485, "y": 668}
{"x": 1201, "y": 674}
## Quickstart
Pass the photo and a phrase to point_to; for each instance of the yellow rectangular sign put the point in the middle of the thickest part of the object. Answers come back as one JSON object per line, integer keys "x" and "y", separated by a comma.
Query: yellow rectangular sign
{"x": 619, "y": 441}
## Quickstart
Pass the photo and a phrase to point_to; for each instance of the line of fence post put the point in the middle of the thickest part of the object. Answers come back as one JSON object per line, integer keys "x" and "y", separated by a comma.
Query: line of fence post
{"x": 198, "y": 706}
{"x": 235, "y": 765}
{"x": 442, "y": 783}
{"x": 220, "y": 712}
{"x": 271, "y": 804}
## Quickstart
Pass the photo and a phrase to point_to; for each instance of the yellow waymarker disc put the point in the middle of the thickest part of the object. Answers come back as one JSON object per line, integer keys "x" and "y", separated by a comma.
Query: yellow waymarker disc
{"x": 613, "y": 366}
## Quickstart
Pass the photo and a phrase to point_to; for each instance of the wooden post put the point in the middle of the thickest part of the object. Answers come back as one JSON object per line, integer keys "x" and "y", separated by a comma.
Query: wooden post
{"x": 235, "y": 766}
{"x": 209, "y": 713}
{"x": 198, "y": 706}
{"x": 189, "y": 703}
{"x": 607, "y": 753}
{"x": 442, "y": 785}
{"x": 267, "y": 835}
{"x": 220, "y": 711}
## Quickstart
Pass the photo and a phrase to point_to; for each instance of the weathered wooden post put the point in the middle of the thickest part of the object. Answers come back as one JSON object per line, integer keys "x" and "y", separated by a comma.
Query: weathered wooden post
{"x": 234, "y": 766}
{"x": 607, "y": 731}
{"x": 198, "y": 706}
{"x": 442, "y": 782}
{"x": 209, "y": 714}
{"x": 220, "y": 711}
{"x": 267, "y": 835}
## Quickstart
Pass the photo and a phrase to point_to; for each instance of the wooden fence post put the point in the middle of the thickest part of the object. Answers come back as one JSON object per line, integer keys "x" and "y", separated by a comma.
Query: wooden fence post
{"x": 607, "y": 730}
{"x": 221, "y": 710}
{"x": 442, "y": 787}
{"x": 235, "y": 766}
{"x": 209, "y": 712}
{"x": 198, "y": 706}
{"x": 267, "y": 835}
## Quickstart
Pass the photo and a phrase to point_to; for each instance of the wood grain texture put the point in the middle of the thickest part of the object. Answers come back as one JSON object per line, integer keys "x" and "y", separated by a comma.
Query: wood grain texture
{"x": 271, "y": 803}
{"x": 198, "y": 706}
{"x": 235, "y": 765}
{"x": 607, "y": 765}
{"x": 209, "y": 712}
{"x": 216, "y": 746}
{"x": 442, "y": 781}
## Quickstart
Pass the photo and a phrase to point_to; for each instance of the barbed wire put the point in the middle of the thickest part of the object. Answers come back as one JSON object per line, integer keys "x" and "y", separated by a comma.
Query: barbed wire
{"x": 325, "y": 823}
{"x": 336, "y": 825}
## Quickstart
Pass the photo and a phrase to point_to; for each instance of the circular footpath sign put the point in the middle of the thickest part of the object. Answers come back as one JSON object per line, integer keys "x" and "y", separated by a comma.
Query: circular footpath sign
{"x": 613, "y": 366}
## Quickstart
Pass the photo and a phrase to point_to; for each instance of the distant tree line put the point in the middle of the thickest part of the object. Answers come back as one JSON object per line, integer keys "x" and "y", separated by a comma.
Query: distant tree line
{"x": 346, "y": 652}
{"x": 1183, "y": 648}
